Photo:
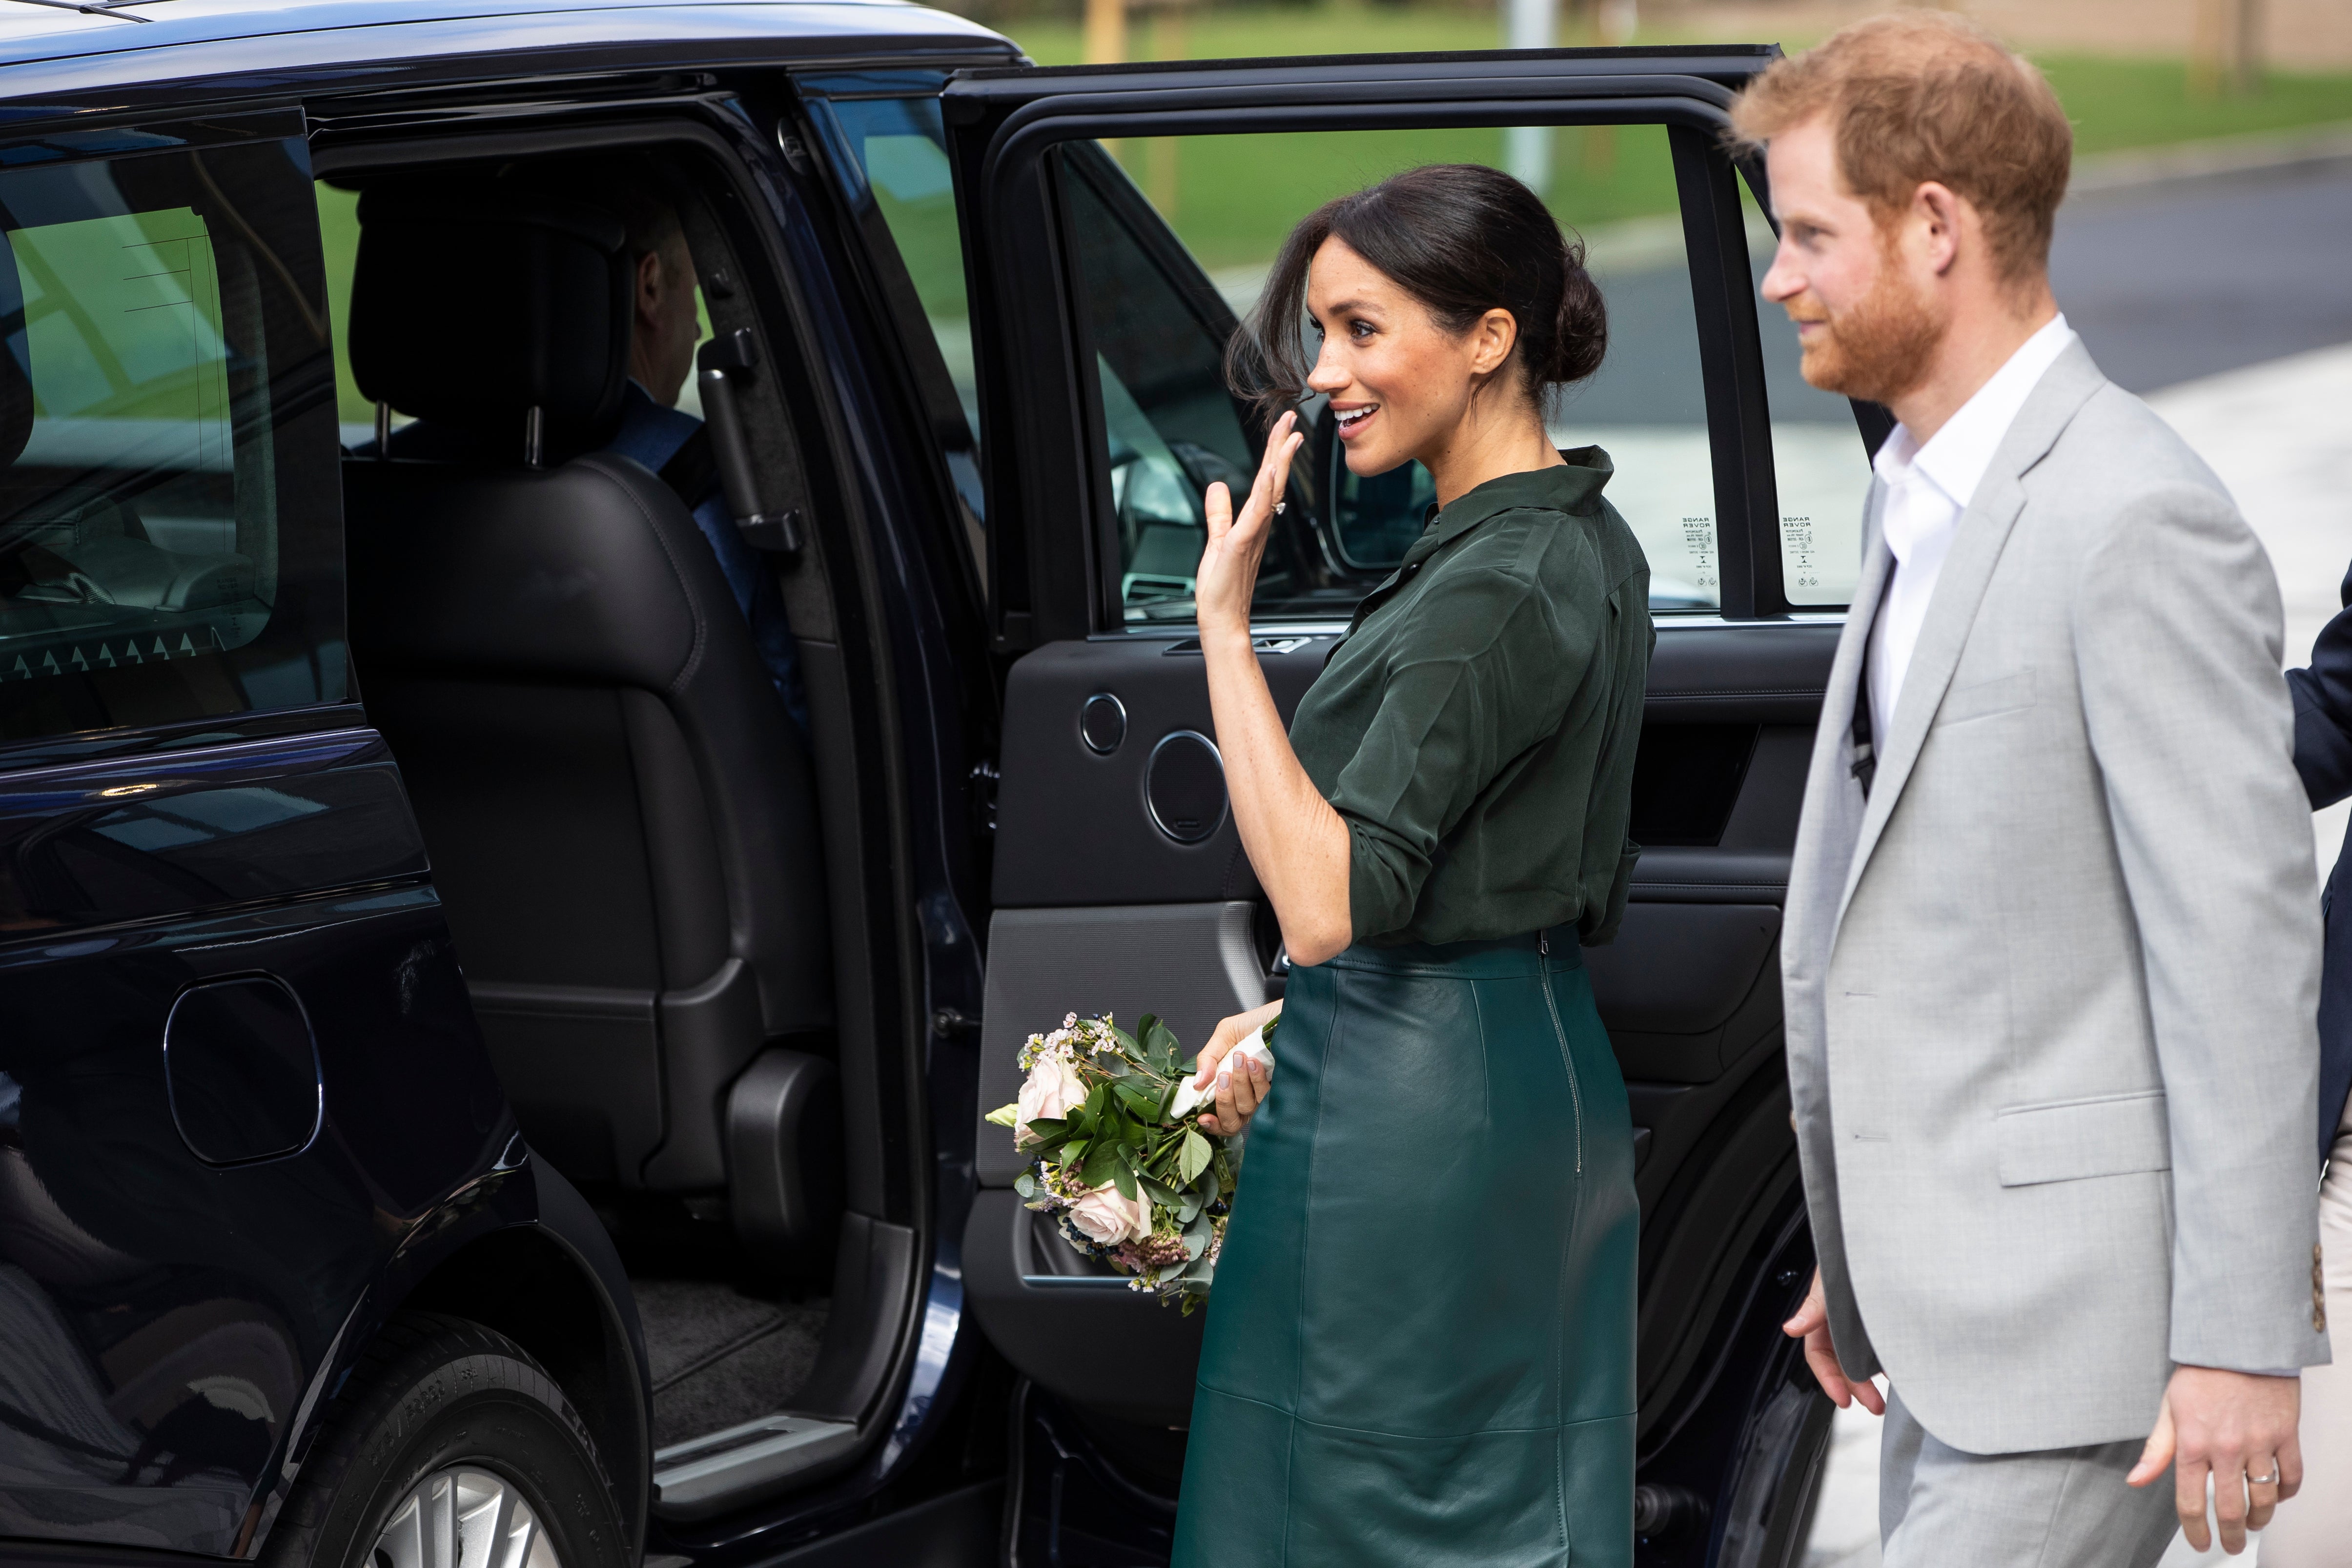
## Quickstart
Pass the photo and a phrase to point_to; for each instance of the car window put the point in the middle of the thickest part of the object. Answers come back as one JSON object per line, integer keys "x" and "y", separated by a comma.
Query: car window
{"x": 899, "y": 145}
{"x": 168, "y": 515}
{"x": 1170, "y": 427}
{"x": 1818, "y": 454}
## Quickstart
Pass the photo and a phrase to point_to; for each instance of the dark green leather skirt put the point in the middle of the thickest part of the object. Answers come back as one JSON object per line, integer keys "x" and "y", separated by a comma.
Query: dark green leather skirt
{"x": 1420, "y": 1348}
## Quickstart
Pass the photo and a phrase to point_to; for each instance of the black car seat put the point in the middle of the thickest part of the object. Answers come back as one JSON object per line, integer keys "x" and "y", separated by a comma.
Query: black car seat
{"x": 619, "y": 813}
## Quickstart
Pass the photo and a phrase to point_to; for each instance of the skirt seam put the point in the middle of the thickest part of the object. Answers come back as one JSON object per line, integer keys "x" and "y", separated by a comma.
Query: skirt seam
{"x": 1485, "y": 1068}
{"x": 1567, "y": 1253}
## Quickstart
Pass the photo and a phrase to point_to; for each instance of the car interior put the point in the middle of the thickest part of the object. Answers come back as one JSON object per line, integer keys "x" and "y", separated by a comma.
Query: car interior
{"x": 642, "y": 865}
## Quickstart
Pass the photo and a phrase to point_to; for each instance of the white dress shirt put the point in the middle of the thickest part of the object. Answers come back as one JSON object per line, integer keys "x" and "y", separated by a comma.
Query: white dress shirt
{"x": 1927, "y": 488}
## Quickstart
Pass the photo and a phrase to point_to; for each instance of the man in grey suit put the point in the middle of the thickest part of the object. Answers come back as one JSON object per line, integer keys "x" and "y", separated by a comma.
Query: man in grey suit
{"x": 2052, "y": 950}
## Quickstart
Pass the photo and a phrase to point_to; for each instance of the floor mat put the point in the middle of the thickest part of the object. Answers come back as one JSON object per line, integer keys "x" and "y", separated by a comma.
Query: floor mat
{"x": 721, "y": 1356}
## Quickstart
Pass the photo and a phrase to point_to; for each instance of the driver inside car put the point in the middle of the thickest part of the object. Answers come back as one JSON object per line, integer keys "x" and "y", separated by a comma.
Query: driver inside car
{"x": 664, "y": 326}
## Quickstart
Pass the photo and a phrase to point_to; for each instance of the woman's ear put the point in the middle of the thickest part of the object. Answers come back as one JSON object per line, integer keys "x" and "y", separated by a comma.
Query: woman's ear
{"x": 1492, "y": 337}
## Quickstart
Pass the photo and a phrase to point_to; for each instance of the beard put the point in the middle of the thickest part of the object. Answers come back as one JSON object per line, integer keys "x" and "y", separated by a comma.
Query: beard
{"x": 1878, "y": 348}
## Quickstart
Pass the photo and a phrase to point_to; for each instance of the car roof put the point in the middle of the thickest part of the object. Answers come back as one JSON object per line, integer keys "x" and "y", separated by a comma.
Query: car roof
{"x": 96, "y": 43}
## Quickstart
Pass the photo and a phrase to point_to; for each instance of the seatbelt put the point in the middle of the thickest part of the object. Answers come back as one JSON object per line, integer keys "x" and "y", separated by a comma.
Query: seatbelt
{"x": 692, "y": 471}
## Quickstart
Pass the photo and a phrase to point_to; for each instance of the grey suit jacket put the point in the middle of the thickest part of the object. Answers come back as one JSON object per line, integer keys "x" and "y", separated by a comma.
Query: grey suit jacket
{"x": 2052, "y": 988}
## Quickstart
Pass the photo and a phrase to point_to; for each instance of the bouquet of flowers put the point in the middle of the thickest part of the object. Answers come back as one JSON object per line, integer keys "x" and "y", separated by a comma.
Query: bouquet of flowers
{"x": 1119, "y": 1160}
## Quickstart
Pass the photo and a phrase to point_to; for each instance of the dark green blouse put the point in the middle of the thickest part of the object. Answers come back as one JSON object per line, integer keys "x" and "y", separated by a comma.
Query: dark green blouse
{"x": 1475, "y": 726}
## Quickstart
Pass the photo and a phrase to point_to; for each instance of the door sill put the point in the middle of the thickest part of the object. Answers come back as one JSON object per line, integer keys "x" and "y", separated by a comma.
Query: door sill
{"x": 701, "y": 1477}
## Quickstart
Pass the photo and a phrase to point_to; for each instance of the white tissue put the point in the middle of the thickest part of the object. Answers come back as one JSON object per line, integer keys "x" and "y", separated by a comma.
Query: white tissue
{"x": 1190, "y": 1098}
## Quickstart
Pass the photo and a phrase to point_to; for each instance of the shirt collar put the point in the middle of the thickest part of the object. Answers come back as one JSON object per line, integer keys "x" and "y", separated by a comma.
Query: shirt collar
{"x": 1956, "y": 457}
{"x": 1573, "y": 485}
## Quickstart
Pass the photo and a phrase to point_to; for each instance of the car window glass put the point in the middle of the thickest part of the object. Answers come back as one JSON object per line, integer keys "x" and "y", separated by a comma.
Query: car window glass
{"x": 1158, "y": 310}
{"x": 167, "y": 513}
{"x": 900, "y": 144}
{"x": 1823, "y": 466}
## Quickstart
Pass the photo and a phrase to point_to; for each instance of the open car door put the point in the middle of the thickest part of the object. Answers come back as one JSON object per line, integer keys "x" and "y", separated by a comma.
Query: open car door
{"x": 1119, "y": 880}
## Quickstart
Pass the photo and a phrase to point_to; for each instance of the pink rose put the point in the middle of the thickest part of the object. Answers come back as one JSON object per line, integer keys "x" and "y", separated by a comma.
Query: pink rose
{"x": 1106, "y": 1219}
{"x": 1052, "y": 1092}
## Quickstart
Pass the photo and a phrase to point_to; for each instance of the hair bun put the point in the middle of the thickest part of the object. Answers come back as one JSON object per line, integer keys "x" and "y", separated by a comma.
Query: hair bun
{"x": 1580, "y": 333}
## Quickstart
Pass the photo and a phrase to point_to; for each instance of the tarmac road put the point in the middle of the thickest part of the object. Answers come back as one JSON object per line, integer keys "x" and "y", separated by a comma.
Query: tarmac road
{"x": 2170, "y": 283}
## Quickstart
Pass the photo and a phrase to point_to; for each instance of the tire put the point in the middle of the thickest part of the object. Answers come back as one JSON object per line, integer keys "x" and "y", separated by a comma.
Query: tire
{"x": 443, "y": 1421}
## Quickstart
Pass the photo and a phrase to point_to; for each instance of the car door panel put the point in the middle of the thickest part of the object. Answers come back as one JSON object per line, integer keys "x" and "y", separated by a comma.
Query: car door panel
{"x": 1192, "y": 963}
{"x": 1073, "y": 824}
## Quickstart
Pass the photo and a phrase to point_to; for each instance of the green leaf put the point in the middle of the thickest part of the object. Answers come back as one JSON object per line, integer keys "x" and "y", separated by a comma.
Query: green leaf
{"x": 1271, "y": 1025}
{"x": 1124, "y": 1176}
{"x": 1025, "y": 1184}
{"x": 1005, "y": 1115}
{"x": 1049, "y": 1126}
{"x": 1073, "y": 1151}
{"x": 1195, "y": 1157}
{"x": 1139, "y": 1100}
{"x": 1161, "y": 1194}
{"x": 1102, "y": 1160}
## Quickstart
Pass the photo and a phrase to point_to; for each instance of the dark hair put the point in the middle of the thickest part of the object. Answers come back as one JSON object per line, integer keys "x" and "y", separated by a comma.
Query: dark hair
{"x": 1462, "y": 239}
{"x": 633, "y": 187}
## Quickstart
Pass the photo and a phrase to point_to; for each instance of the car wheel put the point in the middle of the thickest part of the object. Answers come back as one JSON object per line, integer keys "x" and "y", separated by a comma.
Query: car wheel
{"x": 449, "y": 1447}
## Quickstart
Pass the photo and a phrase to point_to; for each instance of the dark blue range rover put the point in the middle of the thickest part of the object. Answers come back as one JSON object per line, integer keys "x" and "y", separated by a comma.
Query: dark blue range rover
{"x": 493, "y": 1025}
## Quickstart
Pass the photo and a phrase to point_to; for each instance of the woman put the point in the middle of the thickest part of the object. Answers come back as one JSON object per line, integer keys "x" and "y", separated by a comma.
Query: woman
{"x": 1421, "y": 1350}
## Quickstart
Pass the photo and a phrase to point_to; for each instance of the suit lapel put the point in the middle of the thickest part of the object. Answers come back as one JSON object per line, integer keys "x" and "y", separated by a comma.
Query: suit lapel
{"x": 1977, "y": 545}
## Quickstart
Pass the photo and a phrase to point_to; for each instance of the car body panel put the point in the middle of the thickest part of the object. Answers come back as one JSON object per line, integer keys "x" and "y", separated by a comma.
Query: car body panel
{"x": 376, "y": 48}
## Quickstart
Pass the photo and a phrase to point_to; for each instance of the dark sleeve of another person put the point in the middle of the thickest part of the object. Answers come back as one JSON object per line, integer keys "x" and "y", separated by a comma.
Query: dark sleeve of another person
{"x": 2323, "y": 711}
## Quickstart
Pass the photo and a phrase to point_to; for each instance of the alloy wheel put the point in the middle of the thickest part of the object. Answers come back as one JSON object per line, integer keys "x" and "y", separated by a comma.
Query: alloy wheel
{"x": 464, "y": 1517}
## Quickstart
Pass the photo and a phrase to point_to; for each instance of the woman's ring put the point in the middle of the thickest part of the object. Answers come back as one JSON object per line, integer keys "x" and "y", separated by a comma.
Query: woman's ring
{"x": 2271, "y": 1479}
{"x": 1280, "y": 507}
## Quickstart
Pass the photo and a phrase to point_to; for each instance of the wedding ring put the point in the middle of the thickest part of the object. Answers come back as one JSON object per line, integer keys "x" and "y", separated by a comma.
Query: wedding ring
{"x": 2271, "y": 1479}
{"x": 1280, "y": 507}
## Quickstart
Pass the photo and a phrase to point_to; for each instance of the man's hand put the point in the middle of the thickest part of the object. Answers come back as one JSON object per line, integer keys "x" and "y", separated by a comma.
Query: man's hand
{"x": 1812, "y": 1324}
{"x": 2237, "y": 1428}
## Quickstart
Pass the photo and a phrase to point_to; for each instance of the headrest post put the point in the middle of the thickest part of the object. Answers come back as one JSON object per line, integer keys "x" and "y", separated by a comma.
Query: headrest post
{"x": 534, "y": 437}
{"x": 384, "y": 432}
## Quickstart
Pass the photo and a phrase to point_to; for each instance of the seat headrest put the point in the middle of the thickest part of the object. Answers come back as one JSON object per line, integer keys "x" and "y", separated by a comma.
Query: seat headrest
{"x": 473, "y": 302}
